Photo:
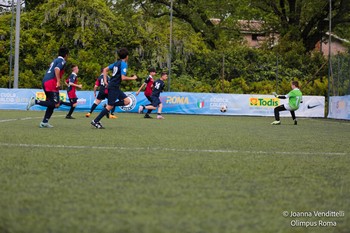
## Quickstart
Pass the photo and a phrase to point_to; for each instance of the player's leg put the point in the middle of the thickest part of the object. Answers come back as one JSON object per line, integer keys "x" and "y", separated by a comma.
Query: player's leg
{"x": 277, "y": 111}
{"x": 52, "y": 100}
{"x": 74, "y": 102}
{"x": 112, "y": 97}
{"x": 294, "y": 117}
{"x": 99, "y": 98}
{"x": 152, "y": 106}
{"x": 159, "y": 113}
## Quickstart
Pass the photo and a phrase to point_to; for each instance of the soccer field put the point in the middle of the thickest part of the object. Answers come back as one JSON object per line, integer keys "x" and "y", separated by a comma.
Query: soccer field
{"x": 184, "y": 174}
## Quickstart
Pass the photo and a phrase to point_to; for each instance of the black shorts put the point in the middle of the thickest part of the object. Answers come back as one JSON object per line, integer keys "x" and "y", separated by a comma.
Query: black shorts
{"x": 73, "y": 100}
{"x": 149, "y": 98}
{"x": 52, "y": 96}
{"x": 101, "y": 96}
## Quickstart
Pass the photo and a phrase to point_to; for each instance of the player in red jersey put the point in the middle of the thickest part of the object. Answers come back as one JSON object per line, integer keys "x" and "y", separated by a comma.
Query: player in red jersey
{"x": 149, "y": 84}
{"x": 72, "y": 83}
{"x": 51, "y": 85}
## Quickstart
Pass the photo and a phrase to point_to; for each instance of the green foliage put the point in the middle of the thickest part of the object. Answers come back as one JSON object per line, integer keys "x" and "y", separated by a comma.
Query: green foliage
{"x": 205, "y": 56}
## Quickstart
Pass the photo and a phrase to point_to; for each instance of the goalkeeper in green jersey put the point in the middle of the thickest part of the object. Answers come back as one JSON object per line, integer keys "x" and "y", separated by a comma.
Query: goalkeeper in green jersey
{"x": 294, "y": 99}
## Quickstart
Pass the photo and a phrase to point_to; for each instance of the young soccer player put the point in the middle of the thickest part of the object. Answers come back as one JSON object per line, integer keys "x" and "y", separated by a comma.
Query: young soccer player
{"x": 71, "y": 91}
{"x": 51, "y": 85}
{"x": 119, "y": 69}
{"x": 102, "y": 94}
{"x": 149, "y": 84}
{"x": 156, "y": 103}
{"x": 294, "y": 100}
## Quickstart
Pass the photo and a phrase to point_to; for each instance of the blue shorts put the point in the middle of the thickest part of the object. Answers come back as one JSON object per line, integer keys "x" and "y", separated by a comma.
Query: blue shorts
{"x": 155, "y": 101}
{"x": 114, "y": 94}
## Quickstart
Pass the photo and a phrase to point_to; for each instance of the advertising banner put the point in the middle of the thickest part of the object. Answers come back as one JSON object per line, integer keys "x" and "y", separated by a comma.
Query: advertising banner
{"x": 176, "y": 102}
{"x": 339, "y": 107}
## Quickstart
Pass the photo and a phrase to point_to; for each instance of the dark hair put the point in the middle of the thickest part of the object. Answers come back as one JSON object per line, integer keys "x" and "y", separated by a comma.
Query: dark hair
{"x": 123, "y": 53}
{"x": 152, "y": 70}
{"x": 63, "y": 52}
{"x": 73, "y": 66}
{"x": 163, "y": 73}
{"x": 295, "y": 83}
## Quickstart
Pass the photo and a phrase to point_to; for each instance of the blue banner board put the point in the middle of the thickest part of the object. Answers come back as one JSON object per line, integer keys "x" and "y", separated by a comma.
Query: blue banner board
{"x": 175, "y": 102}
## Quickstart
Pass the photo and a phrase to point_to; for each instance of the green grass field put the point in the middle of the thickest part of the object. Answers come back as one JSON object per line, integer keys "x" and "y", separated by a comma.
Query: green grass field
{"x": 184, "y": 174}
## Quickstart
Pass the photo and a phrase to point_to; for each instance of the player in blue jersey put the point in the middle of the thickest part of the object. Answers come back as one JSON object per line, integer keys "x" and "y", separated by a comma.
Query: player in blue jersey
{"x": 51, "y": 85}
{"x": 119, "y": 70}
{"x": 72, "y": 83}
{"x": 102, "y": 94}
{"x": 158, "y": 87}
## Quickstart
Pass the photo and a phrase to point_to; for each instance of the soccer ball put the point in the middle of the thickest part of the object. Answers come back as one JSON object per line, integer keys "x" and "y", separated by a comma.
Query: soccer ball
{"x": 223, "y": 108}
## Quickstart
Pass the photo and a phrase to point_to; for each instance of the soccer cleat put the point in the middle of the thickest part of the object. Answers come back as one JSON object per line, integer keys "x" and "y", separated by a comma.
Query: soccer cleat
{"x": 88, "y": 114}
{"x": 160, "y": 117}
{"x": 276, "y": 123}
{"x": 147, "y": 116}
{"x": 45, "y": 125}
{"x": 97, "y": 125}
{"x": 141, "y": 108}
{"x": 31, "y": 103}
{"x": 112, "y": 116}
{"x": 295, "y": 122}
{"x": 69, "y": 117}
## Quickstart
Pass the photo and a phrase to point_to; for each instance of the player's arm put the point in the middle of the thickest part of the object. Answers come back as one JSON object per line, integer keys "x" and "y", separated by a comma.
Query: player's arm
{"x": 123, "y": 71}
{"x": 133, "y": 77}
{"x": 142, "y": 86}
{"x": 95, "y": 89}
{"x": 280, "y": 96}
{"x": 58, "y": 76}
{"x": 75, "y": 85}
{"x": 105, "y": 75}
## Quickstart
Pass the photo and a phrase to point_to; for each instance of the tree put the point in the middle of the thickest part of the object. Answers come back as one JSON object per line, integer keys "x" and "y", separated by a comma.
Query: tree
{"x": 32, "y": 4}
{"x": 305, "y": 21}
{"x": 202, "y": 15}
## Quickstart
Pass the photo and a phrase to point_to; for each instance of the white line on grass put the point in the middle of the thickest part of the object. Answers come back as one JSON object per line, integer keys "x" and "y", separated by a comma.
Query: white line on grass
{"x": 170, "y": 149}
{"x": 26, "y": 118}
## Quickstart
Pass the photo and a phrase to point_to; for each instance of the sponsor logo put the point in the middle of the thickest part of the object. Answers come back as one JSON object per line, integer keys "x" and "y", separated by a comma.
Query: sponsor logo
{"x": 81, "y": 101}
{"x": 42, "y": 97}
{"x": 200, "y": 103}
{"x": 131, "y": 105}
{"x": 341, "y": 104}
{"x": 176, "y": 100}
{"x": 312, "y": 106}
{"x": 217, "y": 102}
{"x": 263, "y": 102}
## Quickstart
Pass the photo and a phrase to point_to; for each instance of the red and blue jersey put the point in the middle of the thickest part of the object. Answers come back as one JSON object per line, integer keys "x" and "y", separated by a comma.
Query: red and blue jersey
{"x": 73, "y": 78}
{"x": 49, "y": 80}
{"x": 100, "y": 83}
